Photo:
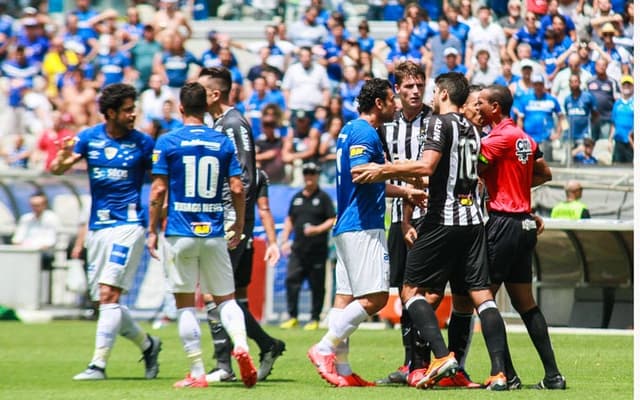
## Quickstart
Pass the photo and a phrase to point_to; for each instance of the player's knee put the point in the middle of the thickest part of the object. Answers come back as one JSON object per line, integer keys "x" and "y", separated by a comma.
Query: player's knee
{"x": 462, "y": 304}
{"x": 375, "y": 302}
{"x": 109, "y": 294}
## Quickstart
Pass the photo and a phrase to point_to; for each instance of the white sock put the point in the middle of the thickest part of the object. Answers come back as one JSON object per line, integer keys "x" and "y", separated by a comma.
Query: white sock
{"x": 342, "y": 349}
{"x": 232, "y": 319}
{"x": 189, "y": 332}
{"x": 344, "y": 325}
{"x": 109, "y": 321}
{"x": 132, "y": 331}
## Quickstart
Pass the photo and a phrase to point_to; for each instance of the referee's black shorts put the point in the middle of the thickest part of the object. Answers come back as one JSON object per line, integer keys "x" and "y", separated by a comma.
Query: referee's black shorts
{"x": 511, "y": 239}
{"x": 457, "y": 254}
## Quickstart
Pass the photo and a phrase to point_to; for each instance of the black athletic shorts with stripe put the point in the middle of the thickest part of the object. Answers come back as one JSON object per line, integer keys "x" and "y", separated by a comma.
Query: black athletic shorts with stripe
{"x": 511, "y": 239}
{"x": 455, "y": 254}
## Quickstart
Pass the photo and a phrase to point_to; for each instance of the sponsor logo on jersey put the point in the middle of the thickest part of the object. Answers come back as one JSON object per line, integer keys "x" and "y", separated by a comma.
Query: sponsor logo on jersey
{"x": 199, "y": 142}
{"x": 155, "y": 156}
{"x": 98, "y": 143}
{"x": 116, "y": 174}
{"x": 523, "y": 150}
{"x": 110, "y": 152}
{"x": 355, "y": 151}
{"x": 201, "y": 228}
{"x": 128, "y": 145}
{"x": 93, "y": 154}
{"x": 297, "y": 201}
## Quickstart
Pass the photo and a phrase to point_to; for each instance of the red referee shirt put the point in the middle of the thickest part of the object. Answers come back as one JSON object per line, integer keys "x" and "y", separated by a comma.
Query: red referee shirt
{"x": 509, "y": 153}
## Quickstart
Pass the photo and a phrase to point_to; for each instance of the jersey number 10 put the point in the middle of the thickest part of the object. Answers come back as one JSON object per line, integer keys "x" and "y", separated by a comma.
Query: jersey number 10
{"x": 201, "y": 176}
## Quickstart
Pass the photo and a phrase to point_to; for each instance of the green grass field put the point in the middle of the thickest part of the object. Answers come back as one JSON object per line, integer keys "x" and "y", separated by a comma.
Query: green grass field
{"x": 37, "y": 361}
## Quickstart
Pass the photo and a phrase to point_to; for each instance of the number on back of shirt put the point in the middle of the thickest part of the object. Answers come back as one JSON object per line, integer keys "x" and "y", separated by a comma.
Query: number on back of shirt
{"x": 201, "y": 176}
{"x": 468, "y": 153}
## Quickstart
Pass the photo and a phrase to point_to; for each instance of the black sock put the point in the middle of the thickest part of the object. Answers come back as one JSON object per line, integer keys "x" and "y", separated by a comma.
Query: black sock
{"x": 539, "y": 334}
{"x": 221, "y": 340}
{"x": 426, "y": 325}
{"x": 408, "y": 334}
{"x": 254, "y": 330}
{"x": 509, "y": 369}
{"x": 459, "y": 333}
{"x": 495, "y": 337}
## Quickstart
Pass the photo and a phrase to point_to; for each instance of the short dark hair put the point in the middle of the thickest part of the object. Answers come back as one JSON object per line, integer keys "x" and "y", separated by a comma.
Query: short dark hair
{"x": 373, "y": 89}
{"x": 475, "y": 88}
{"x": 221, "y": 76}
{"x": 456, "y": 86}
{"x": 114, "y": 95}
{"x": 501, "y": 95}
{"x": 193, "y": 98}
{"x": 408, "y": 69}
{"x": 277, "y": 111}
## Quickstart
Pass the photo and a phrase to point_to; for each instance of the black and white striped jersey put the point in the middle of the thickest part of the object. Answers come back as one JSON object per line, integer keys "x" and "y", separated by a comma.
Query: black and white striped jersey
{"x": 402, "y": 139}
{"x": 453, "y": 187}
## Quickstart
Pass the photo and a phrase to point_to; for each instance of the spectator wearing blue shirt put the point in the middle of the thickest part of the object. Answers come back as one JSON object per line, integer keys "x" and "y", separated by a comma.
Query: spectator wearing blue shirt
{"x": 332, "y": 60}
{"x": 85, "y": 15}
{"x": 401, "y": 53}
{"x": 581, "y": 109}
{"x": 418, "y": 20}
{"x": 81, "y": 44}
{"x": 547, "y": 20}
{"x": 349, "y": 90}
{"x": 20, "y": 71}
{"x": 169, "y": 122}
{"x": 438, "y": 43}
{"x": 33, "y": 40}
{"x": 365, "y": 41}
{"x": 536, "y": 113}
{"x": 583, "y": 154}
{"x": 552, "y": 49}
{"x": 530, "y": 34}
{"x": 622, "y": 127}
{"x": 457, "y": 28}
{"x": 507, "y": 77}
{"x": 255, "y": 103}
{"x": 114, "y": 66}
{"x": 452, "y": 64}
{"x": 174, "y": 62}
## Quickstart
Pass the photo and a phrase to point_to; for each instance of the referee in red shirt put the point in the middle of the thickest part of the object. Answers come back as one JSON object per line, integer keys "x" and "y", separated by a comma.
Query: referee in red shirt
{"x": 511, "y": 163}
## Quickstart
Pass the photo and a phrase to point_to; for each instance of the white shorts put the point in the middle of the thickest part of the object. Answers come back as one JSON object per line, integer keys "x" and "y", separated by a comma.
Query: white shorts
{"x": 200, "y": 260}
{"x": 363, "y": 263}
{"x": 113, "y": 256}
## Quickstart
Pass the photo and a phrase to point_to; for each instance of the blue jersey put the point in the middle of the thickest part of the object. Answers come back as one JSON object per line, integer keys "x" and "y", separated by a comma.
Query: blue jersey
{"x": 360, "y": 206}
{"x": 197, "y": 160}
{"x": 535, "y": 40}
{"x": 116, "y": 169}
{"x": 366, "y": 44}
{"x": 112, "y": 66}
{"x": 177, "y": 67}
{"x": 578, "y": 112}
{"x": 622, "y": 117}
{"x": 538, "y": 115}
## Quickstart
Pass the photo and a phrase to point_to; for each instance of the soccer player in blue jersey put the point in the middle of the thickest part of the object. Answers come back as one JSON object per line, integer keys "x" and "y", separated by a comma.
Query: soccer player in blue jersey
{"x": 117, "y": 156}
{"x": 217, "y": 81}
{"x": 362, "y": 283}
{"x": 191, "y": 164}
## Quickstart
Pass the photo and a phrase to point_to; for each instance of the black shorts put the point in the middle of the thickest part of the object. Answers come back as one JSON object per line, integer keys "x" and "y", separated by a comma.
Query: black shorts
{"x": 455, "y": 254}
{"x": 397, "y": 253}
{"x": 511, "y": 239}
{"x": 242, "y": 259}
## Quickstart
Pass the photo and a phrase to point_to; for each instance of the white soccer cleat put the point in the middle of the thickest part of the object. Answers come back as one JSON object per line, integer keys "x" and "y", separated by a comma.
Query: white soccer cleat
{"x": 92, "y": 373}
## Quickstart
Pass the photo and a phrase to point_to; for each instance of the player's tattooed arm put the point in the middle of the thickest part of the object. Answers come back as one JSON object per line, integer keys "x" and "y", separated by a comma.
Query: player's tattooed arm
{"x": 157, "y": 196}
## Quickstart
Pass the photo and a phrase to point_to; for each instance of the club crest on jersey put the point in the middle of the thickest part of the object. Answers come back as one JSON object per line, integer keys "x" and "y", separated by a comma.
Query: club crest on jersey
{"x": 523, "y": 150}
{"x": 355, "y": 151}
{"x": 110, "y": 152}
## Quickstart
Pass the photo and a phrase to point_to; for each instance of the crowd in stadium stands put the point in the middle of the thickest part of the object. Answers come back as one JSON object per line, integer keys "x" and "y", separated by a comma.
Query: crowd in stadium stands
{"x": 568, "y": 63}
